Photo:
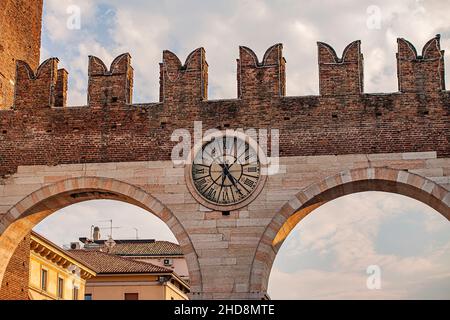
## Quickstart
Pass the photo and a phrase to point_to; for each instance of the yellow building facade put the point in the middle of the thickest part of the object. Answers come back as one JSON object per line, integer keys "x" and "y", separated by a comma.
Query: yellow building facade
{"x": 57, "y": 274}
{"x": 135, "y": 287}
{"x": 119, "y": 278}
{"x": 54, "y": 273}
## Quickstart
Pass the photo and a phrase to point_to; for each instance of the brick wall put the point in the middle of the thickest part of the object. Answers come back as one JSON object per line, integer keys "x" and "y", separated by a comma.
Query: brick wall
{"x": 15, "y": 282}
{"x": 20, "y": 39}
{"x": 342, "y": 120}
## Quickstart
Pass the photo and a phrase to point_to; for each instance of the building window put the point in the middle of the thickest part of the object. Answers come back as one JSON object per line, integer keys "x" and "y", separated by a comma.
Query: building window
{"x": 44, "y": 279}
{"x": 131, "y": 296}
{"x": 88, "y": 296}
{"x": 75, "y": 293}
{"x": 60, "y": 288}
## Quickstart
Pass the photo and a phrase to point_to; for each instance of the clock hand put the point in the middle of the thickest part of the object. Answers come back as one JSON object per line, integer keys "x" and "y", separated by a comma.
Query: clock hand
{"x": 224, "y": 176}
{"x": 225, "y": 168}
{"x": 233, "y": 181}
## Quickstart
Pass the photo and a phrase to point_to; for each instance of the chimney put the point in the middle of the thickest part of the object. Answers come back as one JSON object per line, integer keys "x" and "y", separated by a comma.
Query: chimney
{"x": 96, "y": 234}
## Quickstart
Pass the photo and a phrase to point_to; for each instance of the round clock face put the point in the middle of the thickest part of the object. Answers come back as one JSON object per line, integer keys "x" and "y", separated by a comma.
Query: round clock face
{"x": 226, "y": 172}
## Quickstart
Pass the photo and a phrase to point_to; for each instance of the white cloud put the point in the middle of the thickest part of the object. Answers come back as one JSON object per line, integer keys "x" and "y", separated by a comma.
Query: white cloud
{"x": 315, "y": 284}
{"x": 59, "y": 12}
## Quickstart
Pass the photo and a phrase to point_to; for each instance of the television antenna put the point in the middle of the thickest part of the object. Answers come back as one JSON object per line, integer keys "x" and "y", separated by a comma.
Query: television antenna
{"x": 110, "y": 227}
{"x": 137, "y": 233}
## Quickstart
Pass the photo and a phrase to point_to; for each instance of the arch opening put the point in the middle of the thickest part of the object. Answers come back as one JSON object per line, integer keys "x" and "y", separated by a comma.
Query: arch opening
{"x": 368, "y": 245}
{"x": 318, "y": 194}
{"x": 30, "y": 211}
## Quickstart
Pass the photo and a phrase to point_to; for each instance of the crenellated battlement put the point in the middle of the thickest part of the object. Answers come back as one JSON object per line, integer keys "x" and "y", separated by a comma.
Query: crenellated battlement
{"x": 256, "y": 80}
{"x": 424, "y": 73}
{"x": 40, "y": 129}
{"x": 184, "y": 82}
{"x": 110, "y": 86}
{"x": 39, "y": 89}
{"x": 266, "y": 79}
{"x": 341, "y": 76}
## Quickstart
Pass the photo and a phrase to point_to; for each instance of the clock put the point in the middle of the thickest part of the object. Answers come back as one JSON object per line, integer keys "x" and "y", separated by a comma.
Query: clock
{"x": 226, "y": 172}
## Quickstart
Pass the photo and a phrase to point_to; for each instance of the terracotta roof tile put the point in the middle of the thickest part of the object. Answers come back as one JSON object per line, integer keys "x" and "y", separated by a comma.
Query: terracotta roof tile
{"x": 104, "y": 263}
{"x": 143, "y": 248}
{"x": 158, "y": 248}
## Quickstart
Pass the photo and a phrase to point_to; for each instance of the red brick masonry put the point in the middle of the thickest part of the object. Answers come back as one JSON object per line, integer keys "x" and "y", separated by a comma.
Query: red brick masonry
{"x": 40, "y": 129}
{"x": 15, "y": 281}
{"x": 20, "y": 39}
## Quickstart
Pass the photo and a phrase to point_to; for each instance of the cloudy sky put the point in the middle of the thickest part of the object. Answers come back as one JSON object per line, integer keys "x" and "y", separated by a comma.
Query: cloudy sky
{"x": 328, "y": 253}
{"x": 146, "y": 28}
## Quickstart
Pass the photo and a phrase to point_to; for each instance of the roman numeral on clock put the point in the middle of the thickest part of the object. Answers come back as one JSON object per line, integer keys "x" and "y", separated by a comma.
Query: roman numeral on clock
{"x": 225, "y": 196}
{"x": 250, "y": 183}
{"x": 211, "y": 194}
{"x": 201, "y": 184}
{"x": 199, "y": 171}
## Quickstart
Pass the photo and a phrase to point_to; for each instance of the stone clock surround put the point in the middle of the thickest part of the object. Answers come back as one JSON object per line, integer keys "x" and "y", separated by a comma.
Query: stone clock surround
{"x": 228, "y": 256}
{"x": 263, "y": 164}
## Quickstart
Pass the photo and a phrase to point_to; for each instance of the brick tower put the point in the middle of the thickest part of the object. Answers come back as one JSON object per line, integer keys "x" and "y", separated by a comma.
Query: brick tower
{"x": 20, "y": 39}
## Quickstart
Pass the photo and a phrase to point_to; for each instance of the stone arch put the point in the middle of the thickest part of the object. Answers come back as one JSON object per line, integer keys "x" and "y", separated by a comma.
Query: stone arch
{"x": 23, "y": 216}
{"x": 317, "y": 194}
